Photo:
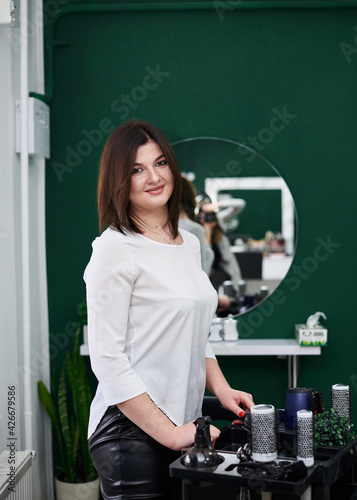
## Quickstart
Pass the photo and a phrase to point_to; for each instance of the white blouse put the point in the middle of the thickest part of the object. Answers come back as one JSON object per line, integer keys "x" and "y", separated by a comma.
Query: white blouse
{"x": 150, "y": 307}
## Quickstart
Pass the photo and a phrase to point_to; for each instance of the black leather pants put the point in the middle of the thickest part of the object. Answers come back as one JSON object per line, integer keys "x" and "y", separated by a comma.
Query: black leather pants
{"x": 130, "y": 464}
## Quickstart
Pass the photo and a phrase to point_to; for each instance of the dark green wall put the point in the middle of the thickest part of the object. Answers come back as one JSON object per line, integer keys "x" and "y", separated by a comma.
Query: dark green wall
{"x": 223, "y": 75}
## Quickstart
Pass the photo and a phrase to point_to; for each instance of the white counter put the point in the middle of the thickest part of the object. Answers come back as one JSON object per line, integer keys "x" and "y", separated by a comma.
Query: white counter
{"x": 264, "y": 347}
{"x": 275, "y": 266}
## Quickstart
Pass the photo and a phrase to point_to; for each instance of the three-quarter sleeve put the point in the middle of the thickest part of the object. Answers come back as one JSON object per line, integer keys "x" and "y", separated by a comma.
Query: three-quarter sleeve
{"x": 109, "y": 279}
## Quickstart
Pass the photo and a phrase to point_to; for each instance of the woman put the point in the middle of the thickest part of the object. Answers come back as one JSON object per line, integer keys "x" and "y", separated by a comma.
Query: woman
{"x": 187, "y": 221}
{"x": 150, "y": 307}
{"x": 225, "y": 265}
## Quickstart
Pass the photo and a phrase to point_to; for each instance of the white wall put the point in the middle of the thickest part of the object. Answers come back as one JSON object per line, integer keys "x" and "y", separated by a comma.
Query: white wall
{"x": 8, "y": 290}
{"x": 11, "y": 299}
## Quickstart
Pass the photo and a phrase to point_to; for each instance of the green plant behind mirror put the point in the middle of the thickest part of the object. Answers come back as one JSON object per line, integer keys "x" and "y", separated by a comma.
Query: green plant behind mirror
{"x": 68, "y": 408}
{"x": 332, "y": 430}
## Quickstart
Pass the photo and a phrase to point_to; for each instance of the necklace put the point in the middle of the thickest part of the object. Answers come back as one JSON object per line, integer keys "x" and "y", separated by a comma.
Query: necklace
{"x": 163, "y": 237}
{"x": 155, "y": 232}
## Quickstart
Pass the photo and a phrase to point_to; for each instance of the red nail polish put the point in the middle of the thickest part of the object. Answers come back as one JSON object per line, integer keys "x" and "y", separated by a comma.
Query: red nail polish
{"x": 241, "y": 414}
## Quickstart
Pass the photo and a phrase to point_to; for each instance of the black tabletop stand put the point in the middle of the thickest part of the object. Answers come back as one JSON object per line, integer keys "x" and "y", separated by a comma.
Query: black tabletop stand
{"x": 331, "y": 464}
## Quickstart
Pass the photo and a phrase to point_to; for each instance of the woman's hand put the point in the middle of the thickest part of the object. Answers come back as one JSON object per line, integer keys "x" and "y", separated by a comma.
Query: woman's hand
{"x": 214, "y": 434}
{"x": 236, "y": 401}
{"x": 210, "y": 207}
{"x": 231, "y": 399}
{"x": 183, "y": 436}
{"x": 145, "y": 414}
{"x": 224, "y": 303}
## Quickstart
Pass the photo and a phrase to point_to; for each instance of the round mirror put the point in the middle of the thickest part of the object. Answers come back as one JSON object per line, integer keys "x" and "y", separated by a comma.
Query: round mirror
{"x": 263, "y": 235}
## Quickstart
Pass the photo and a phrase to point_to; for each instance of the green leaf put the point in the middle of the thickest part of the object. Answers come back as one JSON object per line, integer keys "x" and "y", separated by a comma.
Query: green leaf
{"x": 47, "y": 401}
{"x": 49, "y": 405}
{"x": 64, "y": 420}
{"x": 333, "y": 430}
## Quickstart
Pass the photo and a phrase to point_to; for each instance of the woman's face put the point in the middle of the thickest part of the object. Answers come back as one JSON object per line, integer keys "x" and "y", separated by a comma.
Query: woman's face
{"x": 151, "y": 181}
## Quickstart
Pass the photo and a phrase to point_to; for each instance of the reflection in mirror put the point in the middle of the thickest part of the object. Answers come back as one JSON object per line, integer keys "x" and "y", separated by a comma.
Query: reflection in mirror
{"x": 263, "y": 234}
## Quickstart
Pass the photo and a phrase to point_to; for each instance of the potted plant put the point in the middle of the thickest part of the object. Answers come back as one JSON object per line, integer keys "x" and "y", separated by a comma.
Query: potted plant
{"x": 68, "y": 409}
{"x": 332, "y": 430}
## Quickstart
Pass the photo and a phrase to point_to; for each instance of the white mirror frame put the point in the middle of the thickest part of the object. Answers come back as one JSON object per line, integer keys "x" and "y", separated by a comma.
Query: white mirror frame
{"x": 216, "y": 184}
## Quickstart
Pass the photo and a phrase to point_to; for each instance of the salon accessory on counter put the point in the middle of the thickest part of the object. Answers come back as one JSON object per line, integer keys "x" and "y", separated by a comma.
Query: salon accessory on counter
{"x": 227, "y": 289}
{"x": 215, "y": 334}
{"x": 247, "y": 424}
{"x": 244, "y": 453}
{"x": 305, "y": 436}
{"x": 340, "y": 400}
{"x": 264, "y": 292}
{"x": 230, "y": 332}
{"x": 287, "y": 470}
{"x": 301, "y": 398}
{"x": 242, "y": 288}
{"x": 245, "y": 301}
{"x": 263, "y": 432}
{"x": 297, "y": 398}
{"x": 311, "y": 333}
{"x": 313, "y": 320}
{"x": 202, "y": 453}
{"x": 317, "y": 403}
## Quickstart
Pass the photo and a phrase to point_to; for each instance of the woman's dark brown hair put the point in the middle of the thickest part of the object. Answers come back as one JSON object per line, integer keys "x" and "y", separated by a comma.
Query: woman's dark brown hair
{"x": 115, "y": 172}
{"x": 188, "y": 204}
